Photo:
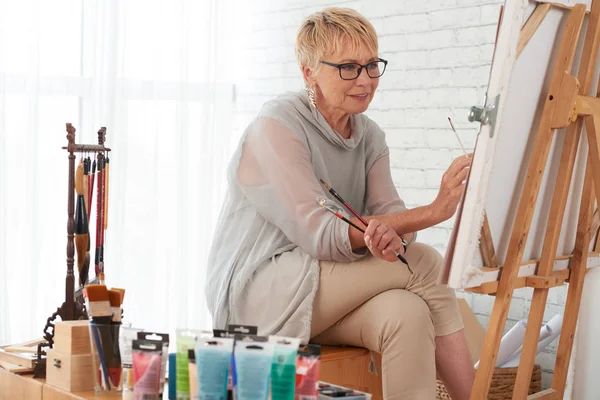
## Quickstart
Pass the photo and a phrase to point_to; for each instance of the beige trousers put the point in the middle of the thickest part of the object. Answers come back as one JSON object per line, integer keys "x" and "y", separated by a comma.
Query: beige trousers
{"x": 379, "y": 305}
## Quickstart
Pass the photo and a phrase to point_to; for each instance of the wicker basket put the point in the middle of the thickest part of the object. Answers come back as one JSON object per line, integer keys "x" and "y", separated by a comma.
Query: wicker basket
{"x": 503, "y": 382}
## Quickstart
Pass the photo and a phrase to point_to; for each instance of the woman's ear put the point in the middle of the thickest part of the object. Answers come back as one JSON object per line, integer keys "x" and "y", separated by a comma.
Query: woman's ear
{"x": 308, "y": 75}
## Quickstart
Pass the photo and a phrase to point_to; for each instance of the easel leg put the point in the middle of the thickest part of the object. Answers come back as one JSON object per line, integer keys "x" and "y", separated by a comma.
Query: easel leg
{"x": 552, "y": 236}
{"x": 578, "y": 269}
{"x": 580, "y": 255}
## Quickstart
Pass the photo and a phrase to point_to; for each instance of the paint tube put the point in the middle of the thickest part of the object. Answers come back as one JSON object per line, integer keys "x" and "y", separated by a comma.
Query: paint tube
{"x": 147, "y": 359}
{"x": 283, "y": 368}
{"x": 307, "y": 372}
{"x": 127, "y": 335}
{"x": 242, "y": 329}
{"x": 213, "y": 359}
{"x": 243, "y": 338}
{"x": 252, "y": 362}
{"x": 185, "y": 342}
{"x": 172, "y": 376}
{"x": 193, "y": 374}
{"x": 186, "y": 339}
{"x": 162, "y": 338}
{"x": 218, "y": 333}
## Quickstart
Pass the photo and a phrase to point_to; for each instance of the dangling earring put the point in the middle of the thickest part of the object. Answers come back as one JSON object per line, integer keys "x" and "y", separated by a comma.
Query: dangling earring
{"x": 310, "y": 91}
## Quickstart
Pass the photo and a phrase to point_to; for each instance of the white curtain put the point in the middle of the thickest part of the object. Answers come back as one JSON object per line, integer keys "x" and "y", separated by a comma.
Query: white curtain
{"x": 157, "y": 74}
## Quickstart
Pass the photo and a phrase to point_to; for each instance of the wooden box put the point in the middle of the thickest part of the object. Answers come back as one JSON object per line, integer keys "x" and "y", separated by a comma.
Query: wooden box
{"x": 73, "y": 373}
{"x": 72, "y": 337}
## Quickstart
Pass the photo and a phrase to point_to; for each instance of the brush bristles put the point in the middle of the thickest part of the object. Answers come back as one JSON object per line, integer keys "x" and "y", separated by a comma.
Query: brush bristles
{"x": 122, "y": 291}
{"x": 79, "y": 179}
{"x": 325, "y": 184}
{"x": 114, "y": 296}
{"x": 97, "y": 303}
{"x": 96, "y": 292}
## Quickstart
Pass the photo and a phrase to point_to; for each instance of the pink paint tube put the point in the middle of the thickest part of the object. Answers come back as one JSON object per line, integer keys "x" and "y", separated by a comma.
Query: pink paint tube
{"x": 308, "y": 365}
{"x": 147, "y": 359}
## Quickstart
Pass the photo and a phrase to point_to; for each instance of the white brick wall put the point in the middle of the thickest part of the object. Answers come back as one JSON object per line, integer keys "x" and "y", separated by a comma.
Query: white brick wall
{"x": 439, "y": 54}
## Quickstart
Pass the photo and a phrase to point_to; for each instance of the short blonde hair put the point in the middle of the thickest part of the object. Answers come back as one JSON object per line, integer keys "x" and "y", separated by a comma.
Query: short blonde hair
{"x": 323, "y": 33}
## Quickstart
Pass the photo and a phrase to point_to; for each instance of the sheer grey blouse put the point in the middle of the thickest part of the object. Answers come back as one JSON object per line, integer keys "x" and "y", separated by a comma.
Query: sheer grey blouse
{"x": 263, "y": 266}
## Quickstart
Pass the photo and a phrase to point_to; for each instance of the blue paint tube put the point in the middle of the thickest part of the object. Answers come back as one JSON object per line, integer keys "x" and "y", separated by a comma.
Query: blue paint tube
{"x": 283, "y": 368}
{"x": 213, "y": 357}
{"x": 253, "y": 362}
{"x": 172, "y": 376}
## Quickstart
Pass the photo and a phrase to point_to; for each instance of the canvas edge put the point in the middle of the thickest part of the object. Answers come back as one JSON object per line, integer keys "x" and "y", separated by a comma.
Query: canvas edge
{"x": 462, "y": 273}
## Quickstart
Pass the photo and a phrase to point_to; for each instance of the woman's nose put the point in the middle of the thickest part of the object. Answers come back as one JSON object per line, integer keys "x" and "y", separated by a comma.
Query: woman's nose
{"x": 363, "y": 77}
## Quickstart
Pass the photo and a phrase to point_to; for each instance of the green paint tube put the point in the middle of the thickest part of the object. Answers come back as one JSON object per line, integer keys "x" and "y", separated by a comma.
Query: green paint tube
{"x": 186, "y": 340}
{"x": 283, "y": 367}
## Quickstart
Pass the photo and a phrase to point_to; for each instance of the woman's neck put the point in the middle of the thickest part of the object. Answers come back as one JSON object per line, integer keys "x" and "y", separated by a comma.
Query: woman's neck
{"x": 339, "y": 121}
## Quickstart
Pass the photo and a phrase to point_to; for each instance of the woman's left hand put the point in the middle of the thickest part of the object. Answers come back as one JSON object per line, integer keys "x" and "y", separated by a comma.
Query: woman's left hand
{"x": 383, "y": 241}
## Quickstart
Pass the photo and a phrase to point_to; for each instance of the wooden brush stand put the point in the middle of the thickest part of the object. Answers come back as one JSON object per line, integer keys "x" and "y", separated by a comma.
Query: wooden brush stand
{"x": 73, "y": 307}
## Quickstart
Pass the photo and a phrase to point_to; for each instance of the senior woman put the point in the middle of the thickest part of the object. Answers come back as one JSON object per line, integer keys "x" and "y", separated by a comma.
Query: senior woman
{"x": 287, "y": 265}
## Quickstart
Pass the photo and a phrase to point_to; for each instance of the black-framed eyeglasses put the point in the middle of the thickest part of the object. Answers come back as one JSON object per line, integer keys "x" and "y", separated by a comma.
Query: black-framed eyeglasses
{"x": 350, "y": 71}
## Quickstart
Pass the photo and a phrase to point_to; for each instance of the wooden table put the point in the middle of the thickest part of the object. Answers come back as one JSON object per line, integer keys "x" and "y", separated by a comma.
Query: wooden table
{"x": 26, "y": 387}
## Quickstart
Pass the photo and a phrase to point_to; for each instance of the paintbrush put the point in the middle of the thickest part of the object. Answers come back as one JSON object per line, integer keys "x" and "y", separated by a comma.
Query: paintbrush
{"x": 122, "y": 291}
{"x": 349, "y": 208}
{"x": 86, "y": 184}
{"x": 457, "y": 137}
{"x": 115, "y": 296}
{"x": 101, "y": 189}
{"x": 81, "y": 227}
{"x": 99, "y": 312}
{"x": 332, "y": 208}
{"x": 91, "y": 177}
{"x": 105, "y": 190}
{"x": 341, "y": 200}
{"x": 326, "y": 203}
{"x": 87, "y": 165}
{"x": 98, "y": 258}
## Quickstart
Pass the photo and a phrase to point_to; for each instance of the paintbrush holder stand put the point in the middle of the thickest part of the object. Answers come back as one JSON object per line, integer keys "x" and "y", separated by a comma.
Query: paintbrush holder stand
{"x": 73, "y": 307}
{"x": 104, "y": 343}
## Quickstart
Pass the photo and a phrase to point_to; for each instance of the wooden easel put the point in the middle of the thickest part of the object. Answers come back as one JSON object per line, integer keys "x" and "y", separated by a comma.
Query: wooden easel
{"x": 567, "y": 105}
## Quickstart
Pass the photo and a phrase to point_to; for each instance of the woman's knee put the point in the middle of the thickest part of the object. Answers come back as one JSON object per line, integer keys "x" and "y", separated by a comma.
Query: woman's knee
{"x": 426, "y": 262}
{"x": 404, "y": 316}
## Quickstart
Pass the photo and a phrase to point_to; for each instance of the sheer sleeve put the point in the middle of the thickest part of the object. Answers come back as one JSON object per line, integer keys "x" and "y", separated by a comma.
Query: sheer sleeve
{"x": 275, "y": 174}
{"x": 382, "y": 195}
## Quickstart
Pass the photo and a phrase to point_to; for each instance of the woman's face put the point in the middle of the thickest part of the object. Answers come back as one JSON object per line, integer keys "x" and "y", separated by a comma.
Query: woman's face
{"x": 347, "y": 96}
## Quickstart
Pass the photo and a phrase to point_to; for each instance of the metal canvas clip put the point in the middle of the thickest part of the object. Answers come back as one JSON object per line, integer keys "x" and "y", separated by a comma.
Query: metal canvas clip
{"x": 486, "y": 115}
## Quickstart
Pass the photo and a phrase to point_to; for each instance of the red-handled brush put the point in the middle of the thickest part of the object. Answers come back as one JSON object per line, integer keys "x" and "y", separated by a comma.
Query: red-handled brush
{"x": 341, "y": 200}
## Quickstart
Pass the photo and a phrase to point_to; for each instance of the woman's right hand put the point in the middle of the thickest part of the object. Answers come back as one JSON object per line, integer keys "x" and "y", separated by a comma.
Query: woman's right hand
{"x": 383, "y": 241}
{"x": 452, "y": 187}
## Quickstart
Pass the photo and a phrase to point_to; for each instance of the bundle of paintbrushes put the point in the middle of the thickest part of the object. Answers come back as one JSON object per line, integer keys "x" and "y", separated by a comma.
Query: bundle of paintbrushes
{"x": 334, "y": 209}
{"x": 104, "y": 310}
{"x": 85, "y": 178}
